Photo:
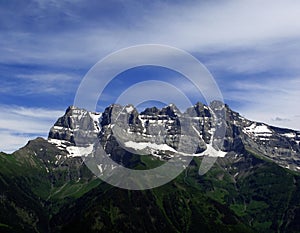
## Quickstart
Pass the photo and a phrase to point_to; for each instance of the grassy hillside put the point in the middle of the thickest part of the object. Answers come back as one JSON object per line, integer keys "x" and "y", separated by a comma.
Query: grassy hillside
{"x": 237, "y": 195}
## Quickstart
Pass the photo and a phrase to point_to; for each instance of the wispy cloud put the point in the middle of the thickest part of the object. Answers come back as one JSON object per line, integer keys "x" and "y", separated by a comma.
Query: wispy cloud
{"x": 275, "y": 57}
{"x": 280, "y": 119}
{"x": 19, "y": 124}
{"x": 11, "y": 142}
{"x": 274, "y": 101}
{"x": 51, "y": 83}
{"x": 205, "y": 27}
{"x": 43, "y": 83}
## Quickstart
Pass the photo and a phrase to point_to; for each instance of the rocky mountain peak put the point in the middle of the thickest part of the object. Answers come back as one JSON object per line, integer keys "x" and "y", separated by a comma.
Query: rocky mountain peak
{"x": 198, "y": 110}
{"x": 154, "y": 129}
{"x": 171, "y": 111}
{"x": 153, "y": 111}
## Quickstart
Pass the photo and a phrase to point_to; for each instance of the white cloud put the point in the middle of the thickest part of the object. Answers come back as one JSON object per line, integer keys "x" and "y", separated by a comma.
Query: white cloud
{"x": 269, "y": 100}
{"x": 11, "y": 142}
{"x": 280, "y": 56}
{"x": 195, "y": 27}
{"x": 44, "y": 83}
{"x": 20, "y": 124}
{"x": 236, "y": 23}
{"x": 47, "y": 77}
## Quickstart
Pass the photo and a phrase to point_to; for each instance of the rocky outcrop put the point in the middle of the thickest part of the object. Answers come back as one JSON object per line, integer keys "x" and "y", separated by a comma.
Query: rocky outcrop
{"x": 163, "y": 132}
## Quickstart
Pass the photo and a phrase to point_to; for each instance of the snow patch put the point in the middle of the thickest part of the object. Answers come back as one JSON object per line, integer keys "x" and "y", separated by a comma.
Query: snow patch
{"x": 129, "y": 109}
{"x": 258, "y": 130}
{"x": 289, "y": 135}
{"x": 144, "y": 145}
{"x": 100, "y": 167}
{"x": 211, "y": 152}
{"x": 95, "y": 116}
{"x": 58, "y": 127}
{"x": 75, "y": 151}
{"x": 57, "y": 142}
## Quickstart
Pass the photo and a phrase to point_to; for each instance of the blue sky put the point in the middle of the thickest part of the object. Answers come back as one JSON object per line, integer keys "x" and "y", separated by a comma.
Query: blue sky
{"x": 252, "y": 48}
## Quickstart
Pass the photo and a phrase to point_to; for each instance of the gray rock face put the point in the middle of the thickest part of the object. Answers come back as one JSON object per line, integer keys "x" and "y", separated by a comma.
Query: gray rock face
{"x": 77, "y": 121}
{"x": 163, "y": 132}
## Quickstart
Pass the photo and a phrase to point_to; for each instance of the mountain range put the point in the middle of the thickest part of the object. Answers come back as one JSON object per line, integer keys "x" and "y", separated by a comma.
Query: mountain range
{"x": 254, "y": 185}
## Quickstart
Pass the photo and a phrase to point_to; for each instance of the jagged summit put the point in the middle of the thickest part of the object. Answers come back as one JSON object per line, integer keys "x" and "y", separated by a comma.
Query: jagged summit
{"x": 150, "y": 111}
{"x": 198, "y": 109}
{"x": 163, "y": 132}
